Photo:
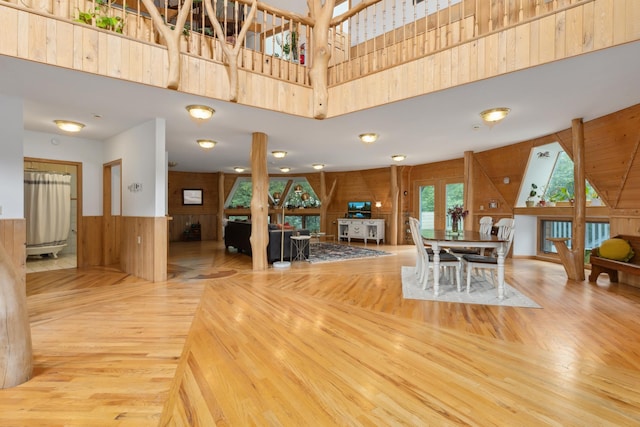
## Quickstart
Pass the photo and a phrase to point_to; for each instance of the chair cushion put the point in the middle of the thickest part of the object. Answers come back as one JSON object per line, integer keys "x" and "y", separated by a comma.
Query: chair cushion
{"x": 616, "y": 249}
{"x": 480, "y": 259}
{"x": 463, "y": 251}
{"x": 444, "y": 256}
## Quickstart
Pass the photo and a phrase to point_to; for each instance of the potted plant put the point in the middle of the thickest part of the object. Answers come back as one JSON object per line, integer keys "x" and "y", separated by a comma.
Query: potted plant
{"x": 530, "y": 202}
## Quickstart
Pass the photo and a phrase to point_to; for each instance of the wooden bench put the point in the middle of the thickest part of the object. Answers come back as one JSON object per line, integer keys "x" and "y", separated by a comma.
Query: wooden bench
{"x": 612, "y": 267}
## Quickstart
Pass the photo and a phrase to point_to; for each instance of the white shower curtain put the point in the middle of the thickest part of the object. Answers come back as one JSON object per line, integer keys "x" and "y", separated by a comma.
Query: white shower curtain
{"x": 47, "y": 208}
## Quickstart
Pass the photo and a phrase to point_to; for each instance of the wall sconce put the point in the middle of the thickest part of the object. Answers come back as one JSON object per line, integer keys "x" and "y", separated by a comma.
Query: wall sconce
{"x": 200, "y": 112}
{"x": 297, "y": 189}
{"x": 207, "y": 144}
{"x": 69, "y": 126}
{"x": 317, "y": 166}
{"x": 398, "y": 157}
{"x": 368, "y": 138}
{"x": 378, "y": 205}
{"x": 276, "y": 196}
{"x": 494, "y": 115}
{"x": 279, "y": 154}
{"x": 506, "y": 180}
{"x": 285, "y": 169}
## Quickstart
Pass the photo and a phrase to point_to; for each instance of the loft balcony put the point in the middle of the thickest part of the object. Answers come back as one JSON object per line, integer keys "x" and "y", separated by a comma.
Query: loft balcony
{"x": 449, "y": 43}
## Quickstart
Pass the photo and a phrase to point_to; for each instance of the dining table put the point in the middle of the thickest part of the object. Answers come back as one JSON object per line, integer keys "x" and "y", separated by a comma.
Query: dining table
{"x": 439, "y": 239}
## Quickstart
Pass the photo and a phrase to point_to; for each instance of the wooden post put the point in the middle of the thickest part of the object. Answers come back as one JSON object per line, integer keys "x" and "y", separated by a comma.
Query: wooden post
{"x": 468, "y": 189}
{"x": 15, "y": 333}
{"x": 321, "y": 13}
{"x": 325, "y": 199}
{"x": 573, "y": 259}
{"x": 259, "y": 201}
{"x": 393, "y": 219}
{"x": 580, "y": 205}
{"x": 220, "y": 223}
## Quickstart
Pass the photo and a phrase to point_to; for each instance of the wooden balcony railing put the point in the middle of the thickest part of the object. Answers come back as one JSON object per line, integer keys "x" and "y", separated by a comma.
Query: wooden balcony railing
{"x": 371, "y": 36}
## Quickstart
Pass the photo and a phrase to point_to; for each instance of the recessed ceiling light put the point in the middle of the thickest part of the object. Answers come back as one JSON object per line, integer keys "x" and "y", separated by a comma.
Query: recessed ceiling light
{"x": 279, "y": 154}
{"x": 69, "y": 126}
{"x": 207, "y": 144}
{"x": 368, "y": 138}
{"x": 200, "y": 112}
{"x": 318, "y": 166}
{"x": 285, "y": 169}
{"x": 238, "y": 169}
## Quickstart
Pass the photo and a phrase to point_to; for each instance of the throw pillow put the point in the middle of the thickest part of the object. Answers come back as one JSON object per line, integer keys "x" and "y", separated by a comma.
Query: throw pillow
{"x": 617, "y": 249}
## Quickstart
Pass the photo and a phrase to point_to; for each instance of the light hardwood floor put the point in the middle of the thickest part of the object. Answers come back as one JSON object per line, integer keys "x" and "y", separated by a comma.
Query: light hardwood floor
{"x": 324, "y": 344}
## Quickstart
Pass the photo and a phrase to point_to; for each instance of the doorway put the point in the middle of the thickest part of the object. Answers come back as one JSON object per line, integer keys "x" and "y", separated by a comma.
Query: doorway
{"x": 66, "y": 253}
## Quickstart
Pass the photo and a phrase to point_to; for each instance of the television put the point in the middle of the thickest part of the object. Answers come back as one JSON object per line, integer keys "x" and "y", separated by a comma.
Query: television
{"x": 359, "y": 210}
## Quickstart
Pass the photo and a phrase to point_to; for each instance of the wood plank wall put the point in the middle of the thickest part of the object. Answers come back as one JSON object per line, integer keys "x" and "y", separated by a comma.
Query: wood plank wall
{"x": 91, "y": 242}
{"x": 144, "y": 247}
{"x": 182, "y": 216}
{"x": 13, "y": 236}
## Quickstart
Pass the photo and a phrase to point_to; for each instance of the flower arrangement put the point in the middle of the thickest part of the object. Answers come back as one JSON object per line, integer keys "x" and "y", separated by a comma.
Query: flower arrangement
{"x": 457, "y": 213}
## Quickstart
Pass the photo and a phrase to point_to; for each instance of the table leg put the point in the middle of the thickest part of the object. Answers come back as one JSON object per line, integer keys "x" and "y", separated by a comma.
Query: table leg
{"x": 436, "y": 269}
{"x": 501, "y": 256}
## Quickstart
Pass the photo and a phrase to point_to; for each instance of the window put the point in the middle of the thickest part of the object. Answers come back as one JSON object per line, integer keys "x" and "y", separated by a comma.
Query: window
{"x": 549, "y": 177}
{"x": 596, "y": 232}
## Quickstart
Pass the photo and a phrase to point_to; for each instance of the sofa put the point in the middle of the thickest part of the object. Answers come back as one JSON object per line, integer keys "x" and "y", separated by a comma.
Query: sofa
{"x": 237, "y": 234}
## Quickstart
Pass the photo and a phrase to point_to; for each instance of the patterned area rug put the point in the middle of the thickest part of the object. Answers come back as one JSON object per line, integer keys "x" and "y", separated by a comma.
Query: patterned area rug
{"x": 482, "y": 292}
{"x": 332, "y": 252}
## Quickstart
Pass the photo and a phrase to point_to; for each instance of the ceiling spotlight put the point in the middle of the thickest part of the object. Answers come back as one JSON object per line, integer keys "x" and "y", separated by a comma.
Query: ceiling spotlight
{"x": 200, "y": 112}
{"x": 368, "y": 138}
{"x": 318, "y": 166}
{"x": 398, "y": 157}
{"x": 494, "y": 115}
{"x": 285, "y": 169}
{"x": 69, "y": 126}
{"x": 207, "y": 144}
{"x": 238, "y": 169}
{"x": 279, "y": 154}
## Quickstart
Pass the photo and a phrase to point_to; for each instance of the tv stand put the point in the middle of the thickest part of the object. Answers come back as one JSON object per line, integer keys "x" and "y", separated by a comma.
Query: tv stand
{"x": 356, "y": 228}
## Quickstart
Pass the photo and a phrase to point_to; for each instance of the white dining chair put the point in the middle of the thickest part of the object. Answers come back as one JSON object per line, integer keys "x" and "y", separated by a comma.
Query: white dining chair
{"x": 486, "y": 222}
{"x": 483, "y": 263}
{"x": 448, "y": 262}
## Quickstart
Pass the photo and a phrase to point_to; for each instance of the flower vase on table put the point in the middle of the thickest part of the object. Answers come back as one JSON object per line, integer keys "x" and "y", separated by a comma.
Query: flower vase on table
{"x": 456, "y": 213}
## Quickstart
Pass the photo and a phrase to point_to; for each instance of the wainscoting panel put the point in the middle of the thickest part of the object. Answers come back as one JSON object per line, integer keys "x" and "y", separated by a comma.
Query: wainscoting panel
{"x": 13, "y": 235}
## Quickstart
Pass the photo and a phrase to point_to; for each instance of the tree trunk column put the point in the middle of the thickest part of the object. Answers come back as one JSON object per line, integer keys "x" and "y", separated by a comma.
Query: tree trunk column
{"x": 15, "y": 332}
{"x": 259, "y": 201}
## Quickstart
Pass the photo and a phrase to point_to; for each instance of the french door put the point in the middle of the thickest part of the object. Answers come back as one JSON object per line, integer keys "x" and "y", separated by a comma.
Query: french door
{"x": 435, "y": 199}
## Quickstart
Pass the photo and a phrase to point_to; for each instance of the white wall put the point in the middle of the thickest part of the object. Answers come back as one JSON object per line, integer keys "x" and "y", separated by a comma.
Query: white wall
{"x": 72, "y": 149}
{"x": 524, "y": 239}
{"x": 11, "y": 159}
{"x": 143, "y": 155}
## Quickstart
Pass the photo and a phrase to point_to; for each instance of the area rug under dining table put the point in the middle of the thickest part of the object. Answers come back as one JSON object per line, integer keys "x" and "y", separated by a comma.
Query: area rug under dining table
{"x": 332, "y": 252}
{"x": 481, "y": 292}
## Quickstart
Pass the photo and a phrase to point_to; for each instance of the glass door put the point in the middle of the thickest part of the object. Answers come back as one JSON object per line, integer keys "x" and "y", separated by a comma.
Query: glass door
{"x": 454, "y": 197}
{"x": 427, "y": 207}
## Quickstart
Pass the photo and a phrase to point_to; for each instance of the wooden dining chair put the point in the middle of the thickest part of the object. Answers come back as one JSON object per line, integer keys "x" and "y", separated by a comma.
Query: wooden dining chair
{"x": 489, "y": 262}
{"x": 448, "y": 262}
